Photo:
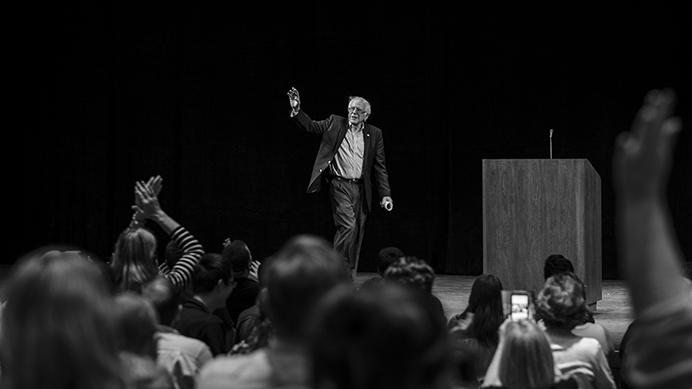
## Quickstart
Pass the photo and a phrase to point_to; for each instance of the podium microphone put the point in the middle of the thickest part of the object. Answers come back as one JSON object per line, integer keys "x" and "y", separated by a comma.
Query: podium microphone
{"x": 551, "y": 143}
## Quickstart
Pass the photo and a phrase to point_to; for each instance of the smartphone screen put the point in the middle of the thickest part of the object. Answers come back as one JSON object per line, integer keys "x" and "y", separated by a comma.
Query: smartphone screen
{"x": 520, "y": 306}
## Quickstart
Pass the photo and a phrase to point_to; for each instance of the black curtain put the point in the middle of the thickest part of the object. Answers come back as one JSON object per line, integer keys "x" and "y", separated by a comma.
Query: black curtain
{"x": 112, "y": 93}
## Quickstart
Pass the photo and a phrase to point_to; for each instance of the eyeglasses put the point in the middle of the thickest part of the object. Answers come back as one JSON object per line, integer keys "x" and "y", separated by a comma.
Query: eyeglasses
{"x": 356, "y": 110}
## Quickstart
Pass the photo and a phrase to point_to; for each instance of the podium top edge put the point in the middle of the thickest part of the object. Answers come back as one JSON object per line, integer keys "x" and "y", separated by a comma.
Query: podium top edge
{"x": 541, "y": 160}
{"x": 535, "y": 159}
{"x": 584, "y": 161}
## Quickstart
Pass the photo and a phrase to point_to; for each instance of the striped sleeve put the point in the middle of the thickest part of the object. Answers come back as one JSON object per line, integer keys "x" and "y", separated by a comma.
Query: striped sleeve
{"x": 182, "y": 271}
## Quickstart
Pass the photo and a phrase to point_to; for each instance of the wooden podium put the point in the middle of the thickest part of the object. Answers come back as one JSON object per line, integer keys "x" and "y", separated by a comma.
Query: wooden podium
{"x": 536, "y": 207}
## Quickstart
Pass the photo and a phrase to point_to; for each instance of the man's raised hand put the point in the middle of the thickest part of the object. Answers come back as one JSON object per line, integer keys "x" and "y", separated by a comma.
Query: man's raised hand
{"x": 294, "y": 98}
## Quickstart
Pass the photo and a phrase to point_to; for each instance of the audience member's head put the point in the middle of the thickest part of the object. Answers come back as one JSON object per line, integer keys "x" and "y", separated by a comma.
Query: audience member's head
{"x": 296, "y": 278}
{"x": 213, "y": 278}
{"x": 561, "y": 304}
{"x": 485, "y": 303}
{"x": 386, "y": 257}
{"x": 556, "y": 264}
{"x": 58, "y": 318}
{"x": 411, "y": 271}
{"x": 237, "y": 253}
{"x": 134, "y": 259}
{"x": 135, "y": 323}
{"x": 67, "y": 250}
{"x": 527, "y": 360}
{"x": 486, "y": 293}
{"x": 164, "y": 298}
{"x": 378, "y": 338}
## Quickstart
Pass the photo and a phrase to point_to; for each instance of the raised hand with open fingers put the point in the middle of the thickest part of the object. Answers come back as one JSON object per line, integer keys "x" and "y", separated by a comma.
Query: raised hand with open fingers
{"x": 294, "y": 98}
{"x": 146, "y": 200}
{"x": 643, "y": 155}
{"x": 155, "y": 183}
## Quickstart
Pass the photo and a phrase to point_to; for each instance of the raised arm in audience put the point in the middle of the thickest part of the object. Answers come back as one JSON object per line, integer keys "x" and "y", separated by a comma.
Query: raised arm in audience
{"x": 148, "y": 204}
{"x": 155, "y": 183}
{"x": 660, "y": 354}
{"x": 649, "y": 252}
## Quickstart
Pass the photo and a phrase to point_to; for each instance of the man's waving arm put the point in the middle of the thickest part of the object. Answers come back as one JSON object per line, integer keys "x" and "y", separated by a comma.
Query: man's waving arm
{"x": 312, "y": 126}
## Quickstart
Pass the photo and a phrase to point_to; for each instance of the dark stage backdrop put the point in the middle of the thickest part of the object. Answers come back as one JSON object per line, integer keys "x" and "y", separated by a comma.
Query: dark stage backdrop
{"x": 196, "y": 92}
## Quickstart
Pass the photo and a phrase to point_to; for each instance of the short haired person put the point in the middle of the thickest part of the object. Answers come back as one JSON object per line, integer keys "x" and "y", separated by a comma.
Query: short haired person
{"x": 211, "y": 285}
{"x": 416, "y": 273}
{"x": 588, "y": 328}
{"x": 555, "y": 264}
{"x": 385, "y": 337}
{"x": 182, "y": 356}
{"x": 350, "y": 155}
{"x": 561, "y": 306}
{"x": 297, "y": 277}
{"x": 385, "y": 257}
{"x": 244, "y": 295}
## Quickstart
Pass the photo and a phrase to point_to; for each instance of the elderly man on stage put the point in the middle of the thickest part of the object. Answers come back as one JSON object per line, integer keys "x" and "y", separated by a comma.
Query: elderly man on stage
{"x": 350, "y": 155}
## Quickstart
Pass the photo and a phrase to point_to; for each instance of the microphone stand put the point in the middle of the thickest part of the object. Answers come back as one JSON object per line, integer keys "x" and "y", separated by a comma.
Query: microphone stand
{"x": 551, "y": 143}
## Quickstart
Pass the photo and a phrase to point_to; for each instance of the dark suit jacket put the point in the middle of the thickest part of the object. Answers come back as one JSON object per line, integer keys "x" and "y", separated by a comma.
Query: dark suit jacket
{"x": 333, "y": 131}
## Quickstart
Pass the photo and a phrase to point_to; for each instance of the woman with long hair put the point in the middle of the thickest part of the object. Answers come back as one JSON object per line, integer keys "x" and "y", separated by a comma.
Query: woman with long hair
{"x": 524, "y": 359}
{"x": 57, "y": 328}
{"x": 483, "y": 314}
{"x": 134, "y": 260}
{"x": 475, "y": 329}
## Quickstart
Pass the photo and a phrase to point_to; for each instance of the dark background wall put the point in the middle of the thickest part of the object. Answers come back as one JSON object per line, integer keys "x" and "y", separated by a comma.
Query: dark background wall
{"x": 112, "y": 93}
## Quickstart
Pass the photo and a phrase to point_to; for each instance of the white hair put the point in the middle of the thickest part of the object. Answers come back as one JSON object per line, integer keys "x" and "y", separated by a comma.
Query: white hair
{"x": 368, "y": 109}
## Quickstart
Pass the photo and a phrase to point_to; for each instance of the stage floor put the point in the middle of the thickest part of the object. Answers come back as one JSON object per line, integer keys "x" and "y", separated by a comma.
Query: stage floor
{"x": 613, "y": 311}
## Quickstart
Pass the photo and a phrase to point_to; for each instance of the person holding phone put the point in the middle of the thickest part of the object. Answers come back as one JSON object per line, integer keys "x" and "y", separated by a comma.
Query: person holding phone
{"x": 523, "y": 359}
{"x": 350, "y": 155}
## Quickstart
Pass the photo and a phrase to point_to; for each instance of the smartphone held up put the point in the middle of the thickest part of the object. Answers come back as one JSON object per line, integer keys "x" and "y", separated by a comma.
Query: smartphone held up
{"x": 517, "y": 304}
